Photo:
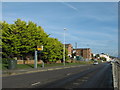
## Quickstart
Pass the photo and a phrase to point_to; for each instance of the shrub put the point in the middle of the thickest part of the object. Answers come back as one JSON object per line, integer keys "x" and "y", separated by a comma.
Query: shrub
{"x": 6, "y": 60}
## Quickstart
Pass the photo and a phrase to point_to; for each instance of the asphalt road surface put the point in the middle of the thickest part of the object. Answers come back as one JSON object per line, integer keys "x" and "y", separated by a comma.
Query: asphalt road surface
{"x": 90, "y": 76}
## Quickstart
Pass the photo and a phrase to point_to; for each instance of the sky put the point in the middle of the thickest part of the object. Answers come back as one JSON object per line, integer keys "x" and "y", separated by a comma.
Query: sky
{"x": 91, "y": 24}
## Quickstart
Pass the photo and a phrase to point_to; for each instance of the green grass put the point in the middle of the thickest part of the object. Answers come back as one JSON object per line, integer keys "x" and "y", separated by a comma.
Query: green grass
{"x": 28, "y": 66}
{"x": 0, "y": 66}
{"x": 4, "y": 66}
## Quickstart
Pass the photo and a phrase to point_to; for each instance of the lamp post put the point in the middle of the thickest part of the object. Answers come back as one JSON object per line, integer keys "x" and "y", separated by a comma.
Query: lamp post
{"x": 87, "y": 52}
{"x": 64, "y": 48}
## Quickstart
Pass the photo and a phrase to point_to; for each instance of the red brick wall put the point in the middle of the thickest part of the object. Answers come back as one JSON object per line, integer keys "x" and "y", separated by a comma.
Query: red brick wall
{"x": 85, "y": 53}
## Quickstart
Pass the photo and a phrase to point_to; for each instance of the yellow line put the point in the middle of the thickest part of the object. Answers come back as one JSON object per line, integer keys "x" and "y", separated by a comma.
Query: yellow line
{"x": 58, "y": 68}
{"x": 51, "y": 69}
{"x": 35, "y": 71}
{"x": 66, "y": 67}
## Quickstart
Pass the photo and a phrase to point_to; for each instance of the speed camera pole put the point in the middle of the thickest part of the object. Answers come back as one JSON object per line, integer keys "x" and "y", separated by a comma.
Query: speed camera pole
{"x": 35, "y": 63}
{"x": 39, "y": 48}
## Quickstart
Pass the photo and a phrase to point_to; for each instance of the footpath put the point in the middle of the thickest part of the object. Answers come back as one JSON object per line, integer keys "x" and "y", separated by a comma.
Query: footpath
{"x": 6, "y": 73}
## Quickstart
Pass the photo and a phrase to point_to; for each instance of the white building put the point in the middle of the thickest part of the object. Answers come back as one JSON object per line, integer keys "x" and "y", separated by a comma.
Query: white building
{"x": 106, "y": 56}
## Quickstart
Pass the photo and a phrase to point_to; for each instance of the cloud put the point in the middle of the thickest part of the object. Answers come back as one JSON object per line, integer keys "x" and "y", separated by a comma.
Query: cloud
{"x": 70, "y": 6}
{"x": 95, "y": 13}
{"x": 95, "y": 34}
{"x": 84, "y": 37}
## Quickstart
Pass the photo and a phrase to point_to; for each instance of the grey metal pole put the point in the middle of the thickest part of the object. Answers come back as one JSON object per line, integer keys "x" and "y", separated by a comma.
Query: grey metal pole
{"x": 64, "y": 48}
{"x": 35, "y": 61}
{"x": 43, "y": 64}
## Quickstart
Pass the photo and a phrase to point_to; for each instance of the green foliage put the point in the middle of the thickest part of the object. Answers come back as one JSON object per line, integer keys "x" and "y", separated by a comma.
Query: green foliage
{"x": 103, "y": 58}
{"x": 97, "y": 55}
{"x": 21, "y": 39}
{"x": 92, "y": 59}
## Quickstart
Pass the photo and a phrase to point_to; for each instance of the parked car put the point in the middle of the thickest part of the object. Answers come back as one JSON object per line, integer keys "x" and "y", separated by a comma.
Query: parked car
{"x": 95, "y": 63}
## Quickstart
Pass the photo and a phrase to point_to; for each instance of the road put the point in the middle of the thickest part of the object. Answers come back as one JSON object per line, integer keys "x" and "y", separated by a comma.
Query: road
{"x": 90, "y": 76}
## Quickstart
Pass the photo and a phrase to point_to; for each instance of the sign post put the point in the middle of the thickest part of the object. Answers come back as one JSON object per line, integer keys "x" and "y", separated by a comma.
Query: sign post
{"x": 36, "y": 51}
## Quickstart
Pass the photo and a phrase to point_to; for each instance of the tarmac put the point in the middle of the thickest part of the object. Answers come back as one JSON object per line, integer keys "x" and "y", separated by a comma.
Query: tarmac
{"x": 13, "y": 72}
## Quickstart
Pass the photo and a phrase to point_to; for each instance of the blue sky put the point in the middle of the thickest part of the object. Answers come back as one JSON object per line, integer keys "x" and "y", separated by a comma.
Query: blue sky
{"x": 90, "y": 24}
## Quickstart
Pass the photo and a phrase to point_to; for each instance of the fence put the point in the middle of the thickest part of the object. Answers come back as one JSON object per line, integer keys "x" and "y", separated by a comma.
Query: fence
{"x": 32, "y": 61}
{"x": 28, "y": 62}
{"x": 116, "y": 74}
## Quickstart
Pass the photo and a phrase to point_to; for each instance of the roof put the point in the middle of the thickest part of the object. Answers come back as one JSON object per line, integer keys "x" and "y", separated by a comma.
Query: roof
{"x": 81, "y": 48}
{"x": 68, "y": 44}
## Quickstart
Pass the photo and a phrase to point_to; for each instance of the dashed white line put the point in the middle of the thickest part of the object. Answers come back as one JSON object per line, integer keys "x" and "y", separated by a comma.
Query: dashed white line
{"x": 69, "y": 74}
{"x": 35, "y": 83}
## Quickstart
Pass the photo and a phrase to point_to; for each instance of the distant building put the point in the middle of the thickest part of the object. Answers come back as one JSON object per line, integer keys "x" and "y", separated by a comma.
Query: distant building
{"x": 70, "y": 49}
{"x": 84, "y": 52}
{"x": 105, "y": 56}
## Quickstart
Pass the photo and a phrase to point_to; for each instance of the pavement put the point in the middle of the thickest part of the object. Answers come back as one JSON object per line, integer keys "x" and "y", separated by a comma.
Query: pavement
{"x": 6, "y": 73}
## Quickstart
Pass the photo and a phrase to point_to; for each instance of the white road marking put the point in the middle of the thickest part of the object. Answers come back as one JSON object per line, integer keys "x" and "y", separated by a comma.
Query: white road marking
{"x": 84, "y": 80}
{"x": 69, "y": 74}
{"x": 35, "y": 83}
{"x": 76, "y": 83}
{"x": 58, "y": 68}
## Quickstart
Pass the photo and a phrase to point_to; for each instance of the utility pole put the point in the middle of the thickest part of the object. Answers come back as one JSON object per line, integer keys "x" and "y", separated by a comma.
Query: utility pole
{"x": 87, "y": 52}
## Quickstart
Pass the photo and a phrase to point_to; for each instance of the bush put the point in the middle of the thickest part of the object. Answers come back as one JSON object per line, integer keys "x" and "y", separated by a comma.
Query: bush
{"x": 6, "y": 60}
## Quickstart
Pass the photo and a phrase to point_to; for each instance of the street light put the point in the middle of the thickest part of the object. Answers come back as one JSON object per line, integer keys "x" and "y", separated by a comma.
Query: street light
{"x": 64, "y": 48}
{"x": 87, "y": 53}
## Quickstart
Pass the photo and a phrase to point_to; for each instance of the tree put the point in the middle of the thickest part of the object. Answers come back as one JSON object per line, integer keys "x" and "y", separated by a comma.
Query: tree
{"x": 53, "y": 50}
{"x": 6, "y": 40}
{"x": 103, "y": 58}
{"x": 97, "y": 55}
{"x": 21, "y": 39}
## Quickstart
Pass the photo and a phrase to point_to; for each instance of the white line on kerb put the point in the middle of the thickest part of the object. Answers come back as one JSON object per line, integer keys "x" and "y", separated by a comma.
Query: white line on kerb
{"x": 35, "y": 83}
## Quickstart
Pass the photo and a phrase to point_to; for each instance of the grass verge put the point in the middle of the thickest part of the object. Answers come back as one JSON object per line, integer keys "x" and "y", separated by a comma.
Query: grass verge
{"x": 28, "y": 66}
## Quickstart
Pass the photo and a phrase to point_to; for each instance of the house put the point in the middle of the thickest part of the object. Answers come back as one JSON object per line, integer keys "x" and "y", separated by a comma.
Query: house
{"x": 70, "y": 49}
{"x": 83, "y": 52}
{"x": 105, "y": 56}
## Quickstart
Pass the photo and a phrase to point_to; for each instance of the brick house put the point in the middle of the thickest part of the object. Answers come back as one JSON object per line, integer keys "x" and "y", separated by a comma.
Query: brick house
{"x": 84, "y": 52}
{"x": 70, "y": 49}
